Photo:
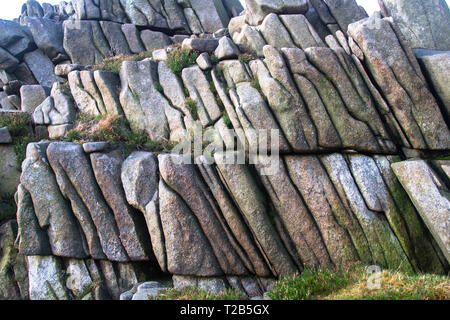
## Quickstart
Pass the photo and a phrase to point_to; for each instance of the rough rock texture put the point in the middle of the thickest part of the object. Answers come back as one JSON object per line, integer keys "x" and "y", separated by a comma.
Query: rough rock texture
{"x": 429, "y": 195}
{"x": 423, "y": 23}
{"x": 256, "y": 10}
{"x": 402, "y": 84}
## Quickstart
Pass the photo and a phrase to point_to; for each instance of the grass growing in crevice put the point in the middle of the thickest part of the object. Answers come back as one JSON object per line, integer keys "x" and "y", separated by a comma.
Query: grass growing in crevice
{"x": 226, "y": 120}
{"x": 195, "y": 293}
{"x": 246, "y": 57}
{"x": 113, "y": 64}
{"x": 191, "y": 105}
{"x": 180, "y": 58}
{"x": 115, "y": 130}
{"x": 352, "y": 284}
{"x": 19, "y": 127}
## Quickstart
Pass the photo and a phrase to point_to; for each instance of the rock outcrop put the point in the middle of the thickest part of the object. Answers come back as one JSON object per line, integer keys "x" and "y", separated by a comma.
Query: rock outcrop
{"x": 298, "y": 134}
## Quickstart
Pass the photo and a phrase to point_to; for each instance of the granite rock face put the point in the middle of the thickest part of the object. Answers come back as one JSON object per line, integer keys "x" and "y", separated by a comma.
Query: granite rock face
{"x": 250, "y": 146}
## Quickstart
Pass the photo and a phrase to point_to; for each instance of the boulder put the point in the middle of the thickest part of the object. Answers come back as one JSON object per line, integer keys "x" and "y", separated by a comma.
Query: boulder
{"x": 32, "y": 96}
{"x": 116, "y": 39}
{"x": 143, "y": 105}
{"x": 301, "y": 31}
{"x": 423, "y": 23}
{"x": 41, "y": 67}
{"x": 203, "y": 61}
{"x": 139, "y": 177}
{"x": 275, "y": 33}
{"x": 257, "y": 10}
{"x": 46, "y": 279}
{"x": 131, "y": 225}
{"x": 69, "y": 162}
{"x": 193, "y": 255}
{"x": 15, "y": 39}
{"x": 52, "y": 211}
{"x": 345, "y": 12}
{"x": 132, "y": 35}
{"x": 201, "y": 45}
{"x": 47, "y": 34}
{"x": 428, "y": 194}
{"x": 434, "y": 64}
{"x": 9, "y": 172}
{"x": 184, "y": 179}
{"x": 212, "y": 14}
{"x": 32, "y": 239}
{"x": 226, "y": 49}
{"x": 395, "y": 72}
{"x": 85, "y": 42}
{"x": 7, "y": 61}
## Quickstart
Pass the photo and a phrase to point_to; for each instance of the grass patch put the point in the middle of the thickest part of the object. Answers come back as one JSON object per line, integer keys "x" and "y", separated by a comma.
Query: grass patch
{"x": 314, "y": 284}
{"x": 158, "y": 86}
{"x": 195, "y": 293}
{"x": 113, "y": 129}
{"x": 246, "y": 57}
{"x": 226, "y": 119}
{"x": 191, "y": 105}
{"x": 113, "y": 64}
{"x": 180, "y": 58}
{"x": 18, "y": 125}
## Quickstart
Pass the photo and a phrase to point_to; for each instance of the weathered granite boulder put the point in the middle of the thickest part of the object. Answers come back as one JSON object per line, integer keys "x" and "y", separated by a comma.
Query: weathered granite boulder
{"x": 425, "y": 24}
{"x": 41, "y": 67}
{"x": 47, "y": 34}
{"x": 16, "y": 39}
{"x": 257, "y": 10}
{"x": 429, "y": 195}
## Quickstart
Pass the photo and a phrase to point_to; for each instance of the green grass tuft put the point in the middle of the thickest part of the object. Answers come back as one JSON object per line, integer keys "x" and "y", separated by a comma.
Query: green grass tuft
{"x": 195, "y": 293}
{"x": 180, "y": 58}
{"x": 191, "y": 105}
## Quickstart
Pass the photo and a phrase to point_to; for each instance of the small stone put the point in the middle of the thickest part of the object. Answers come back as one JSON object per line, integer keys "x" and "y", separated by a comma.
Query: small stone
{"x": 63, "y": 70}
{"x": 90, "y": 147}
{"x": 5, "y": 136}
{"x": 226, "y": 49}
{"x": 204, "y": 62}
{"x": 202, "y": 45}
{"x": 58, "y": 131}
{"x": 159, "y": 55}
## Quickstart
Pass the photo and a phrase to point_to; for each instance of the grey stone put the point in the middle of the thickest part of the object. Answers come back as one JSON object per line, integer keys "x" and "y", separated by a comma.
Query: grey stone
{"x": 192, "y": 20}
{"x": 159, "y": 55}
{"x": 257, "y": 10}
{"x": 193, "y": 257}
{"x": 184, "y": 179}
{"x": 345, "y": 12}
{"x": 250, "y": 200}
{"x": 133, "y": 37}
{"x": 90, "y": 147}
{"x": 16, "y": 39}
{"x": 275, "y": 33}
{"x": 395, "y": 72}
{"x": 140, "y": 182}
{"x": 116, "y": 39}
{"x": 52, "y": 211}
{"x": 46, "y": 279}
{"x": 9, "y": 173}
{"x": 144, "y": 13}
{"x": 204, "y": 62}
{"x": 434, "y": 64}
{"x": 154, "y": 40}
{"x": 32, "y": 96}
{"x": 212, "y": 14}
{"x": 131, "y": 225}
{"x": 5, "y": 136}
{"x": 32, "y": 239}
{"x": 201, "y": 45}
{"x": 7, "y": 61}
{"x": 226, "y": 49}
{"x": 197, "y": 84}
{"x": 24, "y": 74}
{"x": 301, "y": 31}
{"x": 58, "y": 131}
{"x": 41, "y": 67}
{"x": 234, "y": 7}
{"x": 423, "y": 23}
{"x": 250, "y": 40}
{"x": 69, "y": 160}
{"x": 85, "y": 42}
{"x": 143, "y": 105}
{"x": 47, "y": 34}
{"x": 428, "y": 194}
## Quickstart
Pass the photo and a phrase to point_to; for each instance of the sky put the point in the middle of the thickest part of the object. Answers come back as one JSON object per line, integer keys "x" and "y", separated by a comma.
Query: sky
{"x": 10, "y": 9}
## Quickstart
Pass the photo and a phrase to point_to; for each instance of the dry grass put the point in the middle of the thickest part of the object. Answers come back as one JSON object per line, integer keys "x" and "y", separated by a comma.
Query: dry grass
{"x": 113, "y": 64}
{"x": 353, "y": 284}
{"x": 195, "y": 293}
